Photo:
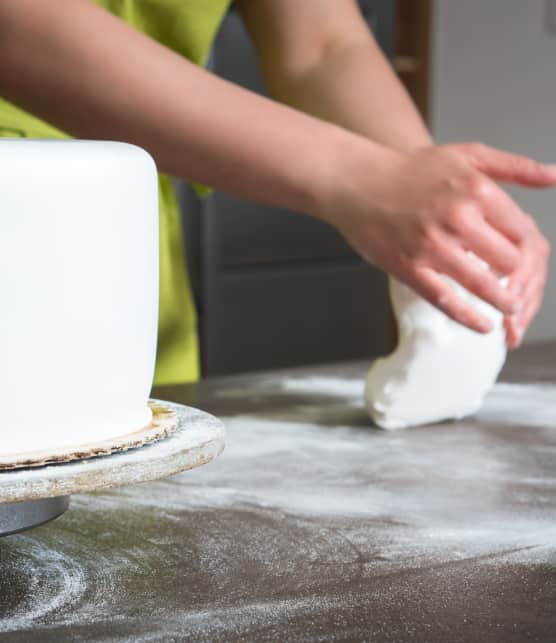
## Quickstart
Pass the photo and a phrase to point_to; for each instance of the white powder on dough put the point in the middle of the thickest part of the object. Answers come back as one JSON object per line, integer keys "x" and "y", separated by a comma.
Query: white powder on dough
{"x": 440, "y": 369}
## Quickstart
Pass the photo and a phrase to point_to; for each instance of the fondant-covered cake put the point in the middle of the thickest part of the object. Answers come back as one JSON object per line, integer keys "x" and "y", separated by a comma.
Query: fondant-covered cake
{"x": 79, "y": 292}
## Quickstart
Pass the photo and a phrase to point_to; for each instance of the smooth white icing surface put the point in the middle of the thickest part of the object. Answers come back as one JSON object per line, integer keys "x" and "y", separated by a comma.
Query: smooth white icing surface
{"x": 439, "y": 370}
{"x": 79, "y": 289}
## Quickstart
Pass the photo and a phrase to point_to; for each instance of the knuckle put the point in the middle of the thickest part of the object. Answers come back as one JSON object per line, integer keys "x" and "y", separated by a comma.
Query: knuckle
{"x": 435, "y": 245}
{"x": 415, "y": 278}
{"x": 403, "y": 267}
{"x": 475, "y": 148}
{"x": 427, "y": 240}
{"x": 479, "y": 187}
{"x": 457, "y": 214}
{"x": 453, "y": 155}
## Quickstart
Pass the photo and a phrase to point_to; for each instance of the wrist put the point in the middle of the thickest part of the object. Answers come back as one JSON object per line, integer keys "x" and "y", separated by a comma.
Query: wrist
{"x": 354, "y": 174}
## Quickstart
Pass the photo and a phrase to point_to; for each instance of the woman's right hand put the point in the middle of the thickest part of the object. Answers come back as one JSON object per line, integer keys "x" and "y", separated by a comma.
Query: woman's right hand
{"x": 425, "y": 213}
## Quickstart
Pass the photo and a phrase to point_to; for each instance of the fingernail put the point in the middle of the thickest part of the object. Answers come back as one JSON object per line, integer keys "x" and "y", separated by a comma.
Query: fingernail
{"x": 484, "y": 326}
{"x": 515, "y": 307}
{"x": 551, "y": 167}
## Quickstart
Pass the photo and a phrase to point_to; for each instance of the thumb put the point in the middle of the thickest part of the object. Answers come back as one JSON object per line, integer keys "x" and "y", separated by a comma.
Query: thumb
{"x": 510, "y": 168}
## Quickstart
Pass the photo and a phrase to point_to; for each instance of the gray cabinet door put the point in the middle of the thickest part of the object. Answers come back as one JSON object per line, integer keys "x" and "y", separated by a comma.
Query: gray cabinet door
{"x": 276, "y": 288}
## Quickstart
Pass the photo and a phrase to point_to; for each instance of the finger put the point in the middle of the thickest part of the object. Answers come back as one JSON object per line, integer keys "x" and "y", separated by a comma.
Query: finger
{"x": 531, "y": 309}
{"x": 533, "y": 292}
{"x": 519, "y": 279}
{"x": 475, "y": 278}
{"x": 531, "y": 274}
{"x": 511, "y": 168}
{"x": 518, "y": 324}
{"x": 503, "y": 214}
{"x": 534, "y": 284}
{"x": 486, "y": 242}
{"x": 432, "y": 287}
{"x": 531, "y": 297}
{"x": 513, "y": 336}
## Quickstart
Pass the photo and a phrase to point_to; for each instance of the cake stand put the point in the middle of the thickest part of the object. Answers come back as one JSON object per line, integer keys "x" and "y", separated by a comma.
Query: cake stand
{"x": 30, "y": 497}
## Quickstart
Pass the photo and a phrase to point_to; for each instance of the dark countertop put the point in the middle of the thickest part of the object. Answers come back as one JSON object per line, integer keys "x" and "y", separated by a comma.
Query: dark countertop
{"x": 313, "y": 526}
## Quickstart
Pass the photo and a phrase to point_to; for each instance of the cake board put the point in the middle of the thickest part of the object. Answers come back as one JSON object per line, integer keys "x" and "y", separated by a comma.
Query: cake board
{"x": 34, "y": 495}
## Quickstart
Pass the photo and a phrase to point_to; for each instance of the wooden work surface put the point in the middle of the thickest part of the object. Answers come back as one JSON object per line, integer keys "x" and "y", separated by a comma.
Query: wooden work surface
{"x": 313, "y": 526}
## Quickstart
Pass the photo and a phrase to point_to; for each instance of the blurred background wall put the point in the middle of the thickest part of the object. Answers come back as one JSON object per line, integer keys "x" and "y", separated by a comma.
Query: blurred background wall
{"x": 493, "y": 79}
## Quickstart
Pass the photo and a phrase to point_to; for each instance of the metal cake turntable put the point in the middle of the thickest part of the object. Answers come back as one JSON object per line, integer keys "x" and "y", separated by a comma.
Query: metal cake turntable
{"x": 39, "y": 490}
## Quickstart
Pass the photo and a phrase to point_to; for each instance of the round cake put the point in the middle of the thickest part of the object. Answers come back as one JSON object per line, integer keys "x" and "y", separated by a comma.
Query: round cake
{"x": 79, "y": 289}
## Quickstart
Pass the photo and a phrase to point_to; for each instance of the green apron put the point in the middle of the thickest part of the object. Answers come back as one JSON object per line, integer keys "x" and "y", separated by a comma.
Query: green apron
{"x": 188, "y": 27}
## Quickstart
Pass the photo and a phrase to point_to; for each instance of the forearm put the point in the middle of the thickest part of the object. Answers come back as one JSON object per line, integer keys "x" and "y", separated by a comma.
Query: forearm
{"x": 353, "y": 85}
{"x": 112, "y": 82}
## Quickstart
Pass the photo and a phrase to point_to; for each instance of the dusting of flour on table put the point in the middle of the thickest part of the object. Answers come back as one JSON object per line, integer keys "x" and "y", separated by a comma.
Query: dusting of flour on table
{"x": 306, "y": 490}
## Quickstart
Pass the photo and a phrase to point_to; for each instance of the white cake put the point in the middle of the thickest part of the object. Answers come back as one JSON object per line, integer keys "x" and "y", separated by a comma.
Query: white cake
{"x": 79, "y": 291}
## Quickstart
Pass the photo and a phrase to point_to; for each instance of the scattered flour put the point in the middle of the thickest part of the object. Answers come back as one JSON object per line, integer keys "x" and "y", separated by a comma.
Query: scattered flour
{"x": 302, "y": 487}
{"x": 333, "y": 386}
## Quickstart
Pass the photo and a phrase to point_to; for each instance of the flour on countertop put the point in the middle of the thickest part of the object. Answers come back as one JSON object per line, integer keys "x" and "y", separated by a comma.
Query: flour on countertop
{"x": 333, "y": 386}
{"x": 306, "y": 484}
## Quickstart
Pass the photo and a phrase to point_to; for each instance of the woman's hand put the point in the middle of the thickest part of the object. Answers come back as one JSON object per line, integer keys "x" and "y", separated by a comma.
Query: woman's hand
{"x": 423, "y": 213}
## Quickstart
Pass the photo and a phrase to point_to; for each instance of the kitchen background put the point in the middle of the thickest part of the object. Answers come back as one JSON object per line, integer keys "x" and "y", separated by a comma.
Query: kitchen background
{"x": 274, "y": 288}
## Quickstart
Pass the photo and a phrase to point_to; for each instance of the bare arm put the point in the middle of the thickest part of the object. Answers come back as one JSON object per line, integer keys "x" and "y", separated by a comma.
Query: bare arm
{"x": 87, "y": 72}
{"x": 78, "y": 67}
{"x": 320, "y": 57}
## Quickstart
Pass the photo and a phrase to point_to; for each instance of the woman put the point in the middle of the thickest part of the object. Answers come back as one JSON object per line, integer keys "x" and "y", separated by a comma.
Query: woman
{"x": 341, "y": 142}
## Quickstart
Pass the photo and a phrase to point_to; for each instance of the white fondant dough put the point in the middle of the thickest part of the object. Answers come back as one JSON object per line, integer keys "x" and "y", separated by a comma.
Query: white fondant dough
{"x": 440, "y": 369}
{"x": 79, "y": 289}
